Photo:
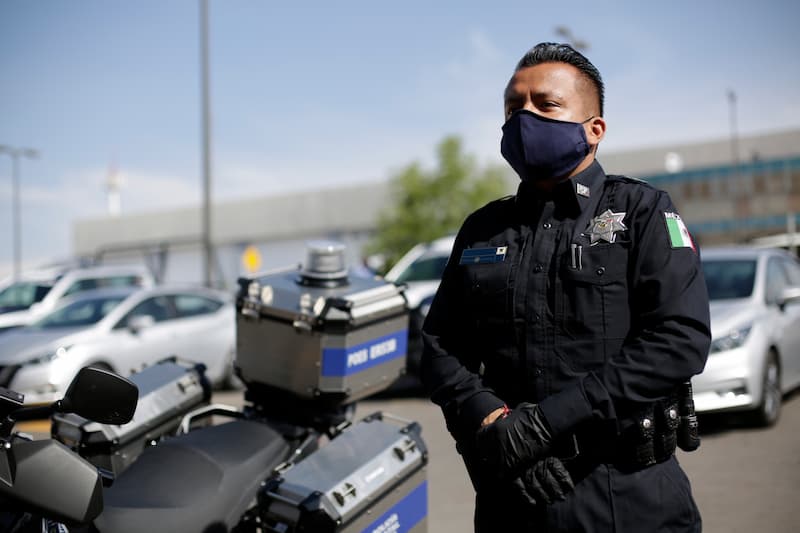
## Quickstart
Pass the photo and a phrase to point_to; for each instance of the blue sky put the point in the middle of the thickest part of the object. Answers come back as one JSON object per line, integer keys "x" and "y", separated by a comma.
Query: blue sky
{"x": 309, "y": 95}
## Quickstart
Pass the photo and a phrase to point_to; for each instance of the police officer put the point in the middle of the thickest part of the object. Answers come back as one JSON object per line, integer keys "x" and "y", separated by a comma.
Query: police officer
{"x": 567, "y": 319}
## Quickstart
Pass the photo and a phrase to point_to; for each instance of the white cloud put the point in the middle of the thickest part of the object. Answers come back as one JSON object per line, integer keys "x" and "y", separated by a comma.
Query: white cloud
{"x": 49, "y": 210}
{"x": 149, "y": 191}
{"x": 482, "y": 52}
{"x": 462, "y": 96}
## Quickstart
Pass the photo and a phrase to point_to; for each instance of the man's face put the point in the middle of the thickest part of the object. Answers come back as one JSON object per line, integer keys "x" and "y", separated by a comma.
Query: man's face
{"x": 558, "y": 91}
{"x": 553, "y": 90}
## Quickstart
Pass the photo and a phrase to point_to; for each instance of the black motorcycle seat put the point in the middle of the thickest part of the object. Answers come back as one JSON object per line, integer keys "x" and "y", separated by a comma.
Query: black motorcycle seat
{"x": 198, "y": 482}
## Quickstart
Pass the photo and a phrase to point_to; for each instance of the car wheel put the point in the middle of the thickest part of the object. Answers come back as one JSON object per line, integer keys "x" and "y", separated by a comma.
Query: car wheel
{"x": 769, "y": 409}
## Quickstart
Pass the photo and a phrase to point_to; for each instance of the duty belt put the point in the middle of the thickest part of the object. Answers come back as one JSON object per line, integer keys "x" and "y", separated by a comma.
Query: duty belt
{"x": 652, "y": 439}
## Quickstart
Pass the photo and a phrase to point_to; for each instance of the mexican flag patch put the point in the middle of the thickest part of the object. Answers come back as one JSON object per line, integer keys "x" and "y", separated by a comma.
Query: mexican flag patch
{"x": 678, "y": 234}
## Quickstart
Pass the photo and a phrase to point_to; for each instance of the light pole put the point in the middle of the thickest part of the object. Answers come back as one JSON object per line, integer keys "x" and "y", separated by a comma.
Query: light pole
{"x": 15, "y": 154}
{"x": 566, "y": 33}
{"x": 740, "y": 189}
{"x": 208, "y": 252}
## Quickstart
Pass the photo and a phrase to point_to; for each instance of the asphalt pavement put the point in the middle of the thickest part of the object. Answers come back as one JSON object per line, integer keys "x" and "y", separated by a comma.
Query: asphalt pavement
{"x": 743, "y": 479}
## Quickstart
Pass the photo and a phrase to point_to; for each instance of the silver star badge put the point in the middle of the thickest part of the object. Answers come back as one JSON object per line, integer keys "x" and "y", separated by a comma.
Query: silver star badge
{"x": 604, "y": 226}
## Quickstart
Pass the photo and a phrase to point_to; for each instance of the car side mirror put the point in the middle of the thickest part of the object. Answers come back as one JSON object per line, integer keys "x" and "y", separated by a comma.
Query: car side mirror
{"x": 140, "y": 322}
{"x": 789, "y": 295}
{"x": 101, "y": 396}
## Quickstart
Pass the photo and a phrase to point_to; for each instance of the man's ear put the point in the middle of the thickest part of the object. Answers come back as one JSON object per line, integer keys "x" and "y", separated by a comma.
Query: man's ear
{"x": 595, "y": 131}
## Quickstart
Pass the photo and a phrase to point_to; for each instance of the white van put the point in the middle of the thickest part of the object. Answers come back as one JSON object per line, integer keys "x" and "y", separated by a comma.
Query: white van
{"x": 34, "y": 294}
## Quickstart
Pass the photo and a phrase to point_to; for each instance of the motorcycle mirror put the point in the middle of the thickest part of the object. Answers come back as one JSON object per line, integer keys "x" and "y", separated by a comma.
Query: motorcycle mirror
{"x": 101, "y": 396}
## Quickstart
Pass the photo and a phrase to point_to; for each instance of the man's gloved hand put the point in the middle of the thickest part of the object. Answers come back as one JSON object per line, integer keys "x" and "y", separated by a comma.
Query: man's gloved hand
{"x": 545, "y": 482}
{"x": 508, "y": 445}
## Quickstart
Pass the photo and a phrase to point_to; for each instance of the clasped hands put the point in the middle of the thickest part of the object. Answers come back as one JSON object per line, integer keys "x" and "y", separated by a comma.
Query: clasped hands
{"x": 517, "y": 447}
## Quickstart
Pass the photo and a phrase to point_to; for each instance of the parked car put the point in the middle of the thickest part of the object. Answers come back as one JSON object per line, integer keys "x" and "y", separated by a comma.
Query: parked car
{"x": 36, "y": 294}
{"x": 420, "y": 269}
{"x": 120, "y": 329}
{"x": 755, "y": 326}
{"x": 20, "y": 295}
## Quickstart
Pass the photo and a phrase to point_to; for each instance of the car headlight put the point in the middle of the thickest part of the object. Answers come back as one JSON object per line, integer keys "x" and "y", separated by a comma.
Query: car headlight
{"x": 47, "y": 357}
{"x": 732, "y": 340}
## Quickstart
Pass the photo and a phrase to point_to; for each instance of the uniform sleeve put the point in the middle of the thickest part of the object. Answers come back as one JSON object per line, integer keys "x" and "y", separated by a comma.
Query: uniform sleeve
{"x": 670, "y": 334}
{"x": 449, "y": 368}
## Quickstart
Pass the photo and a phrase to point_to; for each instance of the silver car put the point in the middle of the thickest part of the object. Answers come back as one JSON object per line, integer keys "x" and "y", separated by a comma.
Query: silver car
{"x": 755, "y": 327}
{"x": 121, "y": 329}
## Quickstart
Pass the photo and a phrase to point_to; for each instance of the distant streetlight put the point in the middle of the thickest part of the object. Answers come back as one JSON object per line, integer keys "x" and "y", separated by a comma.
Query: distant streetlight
{"x": 15, "y": 154}
{"x": 742, "y": 187}
{"x": 734, "y": 132}
{"x": 569, "y": 37}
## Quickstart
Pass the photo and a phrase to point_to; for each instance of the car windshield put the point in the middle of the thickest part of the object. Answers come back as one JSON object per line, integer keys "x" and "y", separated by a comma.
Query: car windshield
{"x": 729, "y": 278}
{"x": 84, "y": 312}
{"x": 424, "y": 269}
{"x": 21, "y": 295}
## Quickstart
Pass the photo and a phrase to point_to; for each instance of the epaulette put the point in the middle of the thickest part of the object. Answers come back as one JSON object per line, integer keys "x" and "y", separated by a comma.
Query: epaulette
{"x": 627, "y": 179}
{"x": 498, "y": 203}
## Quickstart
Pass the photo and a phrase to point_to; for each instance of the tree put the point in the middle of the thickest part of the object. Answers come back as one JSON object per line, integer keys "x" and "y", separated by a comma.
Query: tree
{"x": 429, "y": 204}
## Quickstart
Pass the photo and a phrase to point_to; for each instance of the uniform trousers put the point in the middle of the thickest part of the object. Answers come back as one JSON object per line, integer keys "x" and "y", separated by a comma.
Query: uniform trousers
{"x": 606, "y": 499}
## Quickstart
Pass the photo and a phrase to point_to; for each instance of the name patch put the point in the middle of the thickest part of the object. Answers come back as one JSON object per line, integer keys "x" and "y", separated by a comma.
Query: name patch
{"x": 473, "y": 256}
{"x": 346, "y": 361}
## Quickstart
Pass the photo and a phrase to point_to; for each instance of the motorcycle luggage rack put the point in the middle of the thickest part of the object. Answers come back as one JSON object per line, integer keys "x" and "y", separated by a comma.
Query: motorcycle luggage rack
{"x": 205, "y": 412}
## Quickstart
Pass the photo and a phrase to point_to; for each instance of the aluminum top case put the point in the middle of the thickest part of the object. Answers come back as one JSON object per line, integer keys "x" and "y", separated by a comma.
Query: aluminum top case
{"x": 167, "y": 391}
{"x": 369, "y": 479}
{"x": 318, "y": 333}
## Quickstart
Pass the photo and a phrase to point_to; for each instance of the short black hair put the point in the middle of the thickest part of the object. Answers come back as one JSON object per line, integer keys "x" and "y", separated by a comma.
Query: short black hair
{"x": 564, "y": 53}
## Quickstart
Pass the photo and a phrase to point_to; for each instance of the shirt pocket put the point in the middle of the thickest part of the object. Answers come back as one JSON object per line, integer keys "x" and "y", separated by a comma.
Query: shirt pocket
{"x": 593, "y": 299}
{"x": 487, "y": 290}
{"x": 488, "y": 305}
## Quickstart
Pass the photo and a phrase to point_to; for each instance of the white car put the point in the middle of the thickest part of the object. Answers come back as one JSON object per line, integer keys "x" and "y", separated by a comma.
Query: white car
{"x": 123, "y": 330}
{"x": 755, "y": 327}
{"x": 420, "y": 269}
{"x": 20, "y": 295}
{"x": 35, "y": 294}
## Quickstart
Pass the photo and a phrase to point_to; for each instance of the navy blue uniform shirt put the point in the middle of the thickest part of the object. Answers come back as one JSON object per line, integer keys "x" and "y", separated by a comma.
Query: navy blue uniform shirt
{"x": 537, "y": 304}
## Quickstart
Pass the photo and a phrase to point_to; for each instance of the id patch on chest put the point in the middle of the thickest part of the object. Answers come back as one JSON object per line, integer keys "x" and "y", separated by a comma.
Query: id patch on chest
{"x": 476, "y": 256}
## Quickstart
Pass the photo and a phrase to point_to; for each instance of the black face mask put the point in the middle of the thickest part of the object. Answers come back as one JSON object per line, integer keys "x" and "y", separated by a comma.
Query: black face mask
{"x": 540, "y": 148}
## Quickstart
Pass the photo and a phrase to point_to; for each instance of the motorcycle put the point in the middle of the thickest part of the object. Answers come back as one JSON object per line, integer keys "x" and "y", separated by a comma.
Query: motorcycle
{"x": 42, "y": 482}
{"x": 310, "y": 343}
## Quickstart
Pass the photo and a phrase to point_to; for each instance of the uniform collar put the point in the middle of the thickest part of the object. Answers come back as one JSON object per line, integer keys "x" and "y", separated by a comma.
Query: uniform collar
{"x": 588, "y": 184}
{"x": 573, "y": 195}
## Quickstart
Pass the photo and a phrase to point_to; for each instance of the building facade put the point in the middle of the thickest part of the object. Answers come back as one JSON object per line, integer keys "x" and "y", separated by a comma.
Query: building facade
{"x": 726, "y": 192}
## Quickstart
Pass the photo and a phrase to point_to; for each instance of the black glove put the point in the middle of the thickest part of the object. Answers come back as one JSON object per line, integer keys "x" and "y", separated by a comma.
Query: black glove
{"x": 545, "y": 482}
{"x": 508, "y": 445}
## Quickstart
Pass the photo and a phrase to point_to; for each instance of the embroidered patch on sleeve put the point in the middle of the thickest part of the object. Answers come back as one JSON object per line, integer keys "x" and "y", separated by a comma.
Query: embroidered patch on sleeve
{"x": 678, "y": 234}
